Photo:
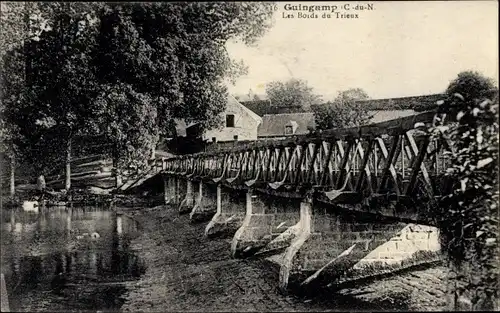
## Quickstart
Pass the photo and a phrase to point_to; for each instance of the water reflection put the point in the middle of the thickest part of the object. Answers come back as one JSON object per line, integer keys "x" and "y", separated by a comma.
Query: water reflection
{"x": 119, "y": 224}
{"x": 70, "y": 258}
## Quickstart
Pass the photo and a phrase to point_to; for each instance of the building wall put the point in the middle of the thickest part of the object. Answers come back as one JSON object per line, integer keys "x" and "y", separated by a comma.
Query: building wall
{"x": 245, "y": 124}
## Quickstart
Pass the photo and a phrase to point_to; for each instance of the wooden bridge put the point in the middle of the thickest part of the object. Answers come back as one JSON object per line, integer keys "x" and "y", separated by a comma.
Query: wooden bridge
{"x": 317, "y": 205}
{"x": 356, "y": 167}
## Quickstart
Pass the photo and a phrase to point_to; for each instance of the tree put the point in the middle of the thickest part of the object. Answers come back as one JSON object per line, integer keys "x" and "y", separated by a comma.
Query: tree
{"x": 13, "y": 25}
{"x": 176, "y": 52}
{"x": 8, "y": 132}
{"x": 352, "y": 94}
{"x": 164, "y": 60}
{"x": 20, "y": 23}
{"x": 293, "y": 93}
{"x": 137, "y": 125}
{"x": 468, "y": 211}
{"x": 56, "y": 102}
{"x": 174, "y": 55}
{"x": 344, "y": 111}
{"x": 470, "y": 85}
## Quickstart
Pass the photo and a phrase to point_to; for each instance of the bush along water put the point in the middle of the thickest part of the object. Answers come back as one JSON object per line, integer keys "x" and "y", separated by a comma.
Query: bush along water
{"x": 468, "y": 220}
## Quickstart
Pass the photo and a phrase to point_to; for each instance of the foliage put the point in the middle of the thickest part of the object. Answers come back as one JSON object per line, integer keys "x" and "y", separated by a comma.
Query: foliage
{"x": 12, "y": 24}
{"x": 352, "y": 94}
{"x": 164, "y": 60}
{"x": 20, "y": 21}
{"x": 136, "y": 110}
{"x": 174, "y": 55}
{"x": 471, "y": 85}
{"x": 175, "y": 52}
{"x": 52, "y": 99}
{"x": 469, "y": 217}
{"x": 292, "y": 93}
{"x": 344, "y": 111}
{"x": 12, "y": 89}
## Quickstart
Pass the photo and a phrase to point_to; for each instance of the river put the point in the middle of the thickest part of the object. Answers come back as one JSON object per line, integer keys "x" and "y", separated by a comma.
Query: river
{"x": 67, "y": 259}
{"x": 150, "y": 258}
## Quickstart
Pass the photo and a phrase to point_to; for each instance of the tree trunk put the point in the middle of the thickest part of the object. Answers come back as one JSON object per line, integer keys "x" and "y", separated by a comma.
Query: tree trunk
{"x": 67, "y": 184}
{"x": 153, "y": 152}
{"x": 1, "y": 185}
{"x": 12, "y": 176}
{"x": 118, "y": 175}
{"x": 118, "y": 179}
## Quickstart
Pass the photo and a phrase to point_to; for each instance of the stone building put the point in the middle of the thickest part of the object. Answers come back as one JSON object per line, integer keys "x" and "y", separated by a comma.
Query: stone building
{"x": 239, "y": 123}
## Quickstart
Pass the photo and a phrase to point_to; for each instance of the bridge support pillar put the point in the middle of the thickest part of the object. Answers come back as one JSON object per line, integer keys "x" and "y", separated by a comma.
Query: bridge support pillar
{"x": 206, "y": 203}
{"x": 171, "y": 190}
{"x": 334, "y": 247}
{"x": 266, "y": 219}
{"x": 230, "y": 213}
{"x": 302, "y": 232}
{"x": 188, "y": 202}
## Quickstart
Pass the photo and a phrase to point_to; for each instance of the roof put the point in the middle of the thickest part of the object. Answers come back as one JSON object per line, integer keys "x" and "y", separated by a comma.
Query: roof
{"x": 274, "y": 124}
{"x": 386, "y": 115}
{"x": 231, "y": 99}
{"x": 263, "y": 107}
{"x": 417, "y": 103}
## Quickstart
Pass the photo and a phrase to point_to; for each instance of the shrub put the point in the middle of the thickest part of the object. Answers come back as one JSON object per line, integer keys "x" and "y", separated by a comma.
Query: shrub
{"x": 469, "y": 213}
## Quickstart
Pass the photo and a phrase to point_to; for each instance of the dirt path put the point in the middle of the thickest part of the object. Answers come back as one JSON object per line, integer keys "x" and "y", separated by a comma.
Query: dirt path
{"x": 420, "y": 290}
{"x": 186, "y": 272}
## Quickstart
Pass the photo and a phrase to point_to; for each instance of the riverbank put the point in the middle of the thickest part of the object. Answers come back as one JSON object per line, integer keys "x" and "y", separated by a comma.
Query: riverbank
{"x": 186, "y": 272}
{"x": 77, "y": 198}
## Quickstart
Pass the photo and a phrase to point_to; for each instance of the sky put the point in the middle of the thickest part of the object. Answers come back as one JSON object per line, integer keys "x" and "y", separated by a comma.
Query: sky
{"x": 397, "y": 49}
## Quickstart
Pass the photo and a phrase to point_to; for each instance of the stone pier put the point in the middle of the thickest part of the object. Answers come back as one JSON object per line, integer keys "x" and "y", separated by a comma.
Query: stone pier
{"x": 231, "y": 205}
{"x": 336, "y": 241}
{"x": 187, "y": 204}
{"x": 329, "y": 245}
{"x": 206, "y": 202}
{"x": 172, "y": 192}
{"x": 266, "y": 218}
{"x": 311, "y": 243}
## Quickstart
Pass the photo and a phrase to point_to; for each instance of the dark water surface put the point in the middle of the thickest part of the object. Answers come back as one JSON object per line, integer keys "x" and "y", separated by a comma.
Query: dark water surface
{"x": 53, "y": 262}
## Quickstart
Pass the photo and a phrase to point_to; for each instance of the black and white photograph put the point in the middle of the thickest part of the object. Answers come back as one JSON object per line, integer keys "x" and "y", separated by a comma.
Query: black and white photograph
{"x": 226, "y": 156}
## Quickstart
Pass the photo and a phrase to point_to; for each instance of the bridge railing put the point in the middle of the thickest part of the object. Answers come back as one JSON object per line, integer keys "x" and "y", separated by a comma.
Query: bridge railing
{"x": 395, "y": 156}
